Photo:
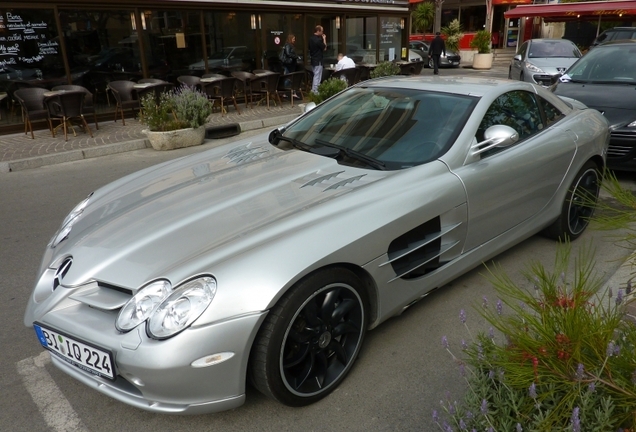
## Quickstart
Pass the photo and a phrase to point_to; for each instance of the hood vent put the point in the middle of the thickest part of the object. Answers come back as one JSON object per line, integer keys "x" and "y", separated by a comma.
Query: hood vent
{"x": 330, "y": 181}
{"x": 245, "y": 154}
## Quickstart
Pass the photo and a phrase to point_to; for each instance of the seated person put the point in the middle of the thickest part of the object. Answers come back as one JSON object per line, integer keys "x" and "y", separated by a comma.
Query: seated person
{"x": 344, "y": 62}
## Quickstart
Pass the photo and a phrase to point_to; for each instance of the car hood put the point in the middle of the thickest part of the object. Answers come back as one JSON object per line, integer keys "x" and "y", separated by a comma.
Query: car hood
{"x": 615, "y": 101}
{"x": 146, "y": 224}
{"x": 553, "y": 65}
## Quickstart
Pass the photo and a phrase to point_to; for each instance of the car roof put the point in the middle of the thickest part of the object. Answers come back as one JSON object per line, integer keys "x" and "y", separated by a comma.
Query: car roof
{"x": 550, "y": 40}
{"x": 467, "y": 86}
{"x": 628, "y": 42}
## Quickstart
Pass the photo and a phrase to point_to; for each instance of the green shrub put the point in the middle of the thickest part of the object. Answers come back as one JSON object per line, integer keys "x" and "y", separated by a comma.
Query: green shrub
{"x": 565, "y": 361}
{"x": 482, "y": 42}
{"x": 177, "y": 109}
{"x": 327, "y": 89}
{"x": 454, "y": 34}
{"x": 386, "y": 68}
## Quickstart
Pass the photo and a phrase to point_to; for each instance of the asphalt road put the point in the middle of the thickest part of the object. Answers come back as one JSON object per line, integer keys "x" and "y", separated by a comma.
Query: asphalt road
{"x": 402, "y": 373}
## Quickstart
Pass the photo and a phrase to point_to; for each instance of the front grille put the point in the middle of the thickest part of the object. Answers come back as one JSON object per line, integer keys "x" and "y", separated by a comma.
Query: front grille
{"x": 622, "y": 145}
{"x": 545, "y": 80}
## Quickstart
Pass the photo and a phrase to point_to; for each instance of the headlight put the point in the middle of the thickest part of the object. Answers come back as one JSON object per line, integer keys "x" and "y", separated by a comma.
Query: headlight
{"x": 139, "y": 308}
{"x": 182, "y": 307}
{"x": 533, "y": 68}
{"x": 632, "y": 124}
{"x": 68, "y": 223}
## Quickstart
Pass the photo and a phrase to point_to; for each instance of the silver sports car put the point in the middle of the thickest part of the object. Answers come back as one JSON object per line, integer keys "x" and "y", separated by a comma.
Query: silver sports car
{"x": 268, "y": 259}
{"x": 543, "y": 61}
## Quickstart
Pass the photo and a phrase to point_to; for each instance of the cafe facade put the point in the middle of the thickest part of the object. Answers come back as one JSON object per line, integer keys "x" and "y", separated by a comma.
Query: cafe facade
{"x": 49, "y": 43}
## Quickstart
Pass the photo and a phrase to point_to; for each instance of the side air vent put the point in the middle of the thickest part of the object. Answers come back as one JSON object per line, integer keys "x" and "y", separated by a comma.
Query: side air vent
{"x": 102, "y": 296}
{"x": 417, "y": 252}
{"x": 332, "y": 181}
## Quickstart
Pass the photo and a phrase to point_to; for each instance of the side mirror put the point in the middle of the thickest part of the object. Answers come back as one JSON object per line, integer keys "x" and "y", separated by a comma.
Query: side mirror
{"x": 309, "y": 106}
{"x": 274, "y": 136}
{"x": 517, "y": 57}
{"x": 496, "y": 136}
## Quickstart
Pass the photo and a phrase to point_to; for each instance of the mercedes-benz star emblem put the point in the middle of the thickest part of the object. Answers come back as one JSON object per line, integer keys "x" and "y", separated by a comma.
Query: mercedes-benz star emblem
{"x": 61, "y": 272}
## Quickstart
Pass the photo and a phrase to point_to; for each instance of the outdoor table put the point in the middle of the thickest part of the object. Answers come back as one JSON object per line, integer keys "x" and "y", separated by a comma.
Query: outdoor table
{"x": 143, "y": 85}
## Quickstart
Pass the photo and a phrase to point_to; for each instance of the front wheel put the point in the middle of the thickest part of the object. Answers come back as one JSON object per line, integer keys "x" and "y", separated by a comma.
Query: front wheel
{"x": 431, "y": 65}
{"x": 578, "y": 206}
{"x": 310, "y": 339}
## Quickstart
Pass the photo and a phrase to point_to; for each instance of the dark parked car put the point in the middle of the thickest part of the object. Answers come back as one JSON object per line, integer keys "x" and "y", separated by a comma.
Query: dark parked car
{"x": 616, "y": 33}
{"x": 605, "y": 79}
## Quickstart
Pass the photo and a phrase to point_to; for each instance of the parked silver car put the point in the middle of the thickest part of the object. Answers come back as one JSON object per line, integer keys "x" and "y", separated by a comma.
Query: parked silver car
{"x": 272, "y": 256}
{"x": 543, "y": 61}
{"x": 450, "y": 59}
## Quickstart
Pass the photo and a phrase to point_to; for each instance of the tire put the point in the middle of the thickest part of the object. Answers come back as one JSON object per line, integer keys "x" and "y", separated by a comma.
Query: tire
{"x": 430, "y": 63}
{"x": 310, "y": 339}
{"x": 578, "y": 206}
{"x": 510, "y": 73}
{"x": 521, "y": 76}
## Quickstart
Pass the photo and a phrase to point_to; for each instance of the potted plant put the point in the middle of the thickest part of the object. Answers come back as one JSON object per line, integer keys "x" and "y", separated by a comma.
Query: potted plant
{"x": 482, "y": 42}
{"x": 386, "y": 68}
{"x": 178, "y": 120}
{"x": 454, "y": 34}
{"x": 327, "y": 89}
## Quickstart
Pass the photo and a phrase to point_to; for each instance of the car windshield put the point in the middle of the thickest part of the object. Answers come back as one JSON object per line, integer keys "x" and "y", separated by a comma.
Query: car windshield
{"x": 547, "y": 49}
{"x": 607, "y": 64}
{"x": 398, "y": 128}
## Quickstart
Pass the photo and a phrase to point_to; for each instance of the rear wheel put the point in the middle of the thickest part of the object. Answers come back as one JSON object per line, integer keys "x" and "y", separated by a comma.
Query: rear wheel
{"x": 578, "y": 206}
{"x": 431, "y": 65}
{"x": 310, "y": 339}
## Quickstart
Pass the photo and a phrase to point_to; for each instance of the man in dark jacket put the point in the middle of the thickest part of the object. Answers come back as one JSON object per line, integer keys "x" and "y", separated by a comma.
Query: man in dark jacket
{"x": 435, "y": 51}
{"x": 317, "y": 46}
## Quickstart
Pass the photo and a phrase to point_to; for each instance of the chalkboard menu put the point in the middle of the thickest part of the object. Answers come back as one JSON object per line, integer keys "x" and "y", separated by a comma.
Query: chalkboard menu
{"x": 25, "y": 39}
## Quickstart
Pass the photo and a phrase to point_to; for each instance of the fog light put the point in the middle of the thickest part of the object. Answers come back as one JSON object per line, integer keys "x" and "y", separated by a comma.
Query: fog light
{"x": 211, "y": 360}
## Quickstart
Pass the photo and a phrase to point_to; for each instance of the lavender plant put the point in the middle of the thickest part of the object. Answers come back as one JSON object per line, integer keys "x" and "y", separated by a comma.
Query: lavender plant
{"x": 182, "y": 108}
{"x": 563, "y": 359}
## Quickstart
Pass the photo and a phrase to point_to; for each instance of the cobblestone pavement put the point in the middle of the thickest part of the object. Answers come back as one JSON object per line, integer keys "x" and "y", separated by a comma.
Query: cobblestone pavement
{"x": 20, "y": 146}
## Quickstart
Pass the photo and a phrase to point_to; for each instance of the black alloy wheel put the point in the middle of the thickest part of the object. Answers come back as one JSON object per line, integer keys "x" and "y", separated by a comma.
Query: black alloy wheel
{"x": 310, "y": 340}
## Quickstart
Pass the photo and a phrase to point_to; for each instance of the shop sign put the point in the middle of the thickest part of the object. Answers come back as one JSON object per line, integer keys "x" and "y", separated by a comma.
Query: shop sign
{"x": 23, "y": 41}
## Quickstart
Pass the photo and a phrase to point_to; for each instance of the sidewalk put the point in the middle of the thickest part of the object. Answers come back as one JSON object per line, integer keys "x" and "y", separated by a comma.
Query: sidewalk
{"x": 19, "y": 152}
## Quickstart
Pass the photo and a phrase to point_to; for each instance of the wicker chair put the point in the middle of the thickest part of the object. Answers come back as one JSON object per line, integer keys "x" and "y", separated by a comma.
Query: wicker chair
{"x": 32, "y": 102}
{"x": 246, "y": 79}
{"x": 222, "y": 90}
{"x": 292, "y": 83}
{"x": 65, "y": 107}
{"x": 267, "y": 86}
{"x": 214, "y": 75}
{"x": 349, "y": 75}
{"x": 124, "y": 93}
{"x": 89, "y": 107}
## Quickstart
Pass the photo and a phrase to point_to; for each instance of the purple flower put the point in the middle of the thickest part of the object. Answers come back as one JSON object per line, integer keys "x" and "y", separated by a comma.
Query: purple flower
{"x": 444, "y": 342}
{"x": 619, "y": 297}
{"x": 580, "y": 372}
{"x": 617, "y": 350}
{"x": 591, "y": 387}
{"x": 491, "y": 429}
{"x": 485, "y": 302}
{"x": 484, "y": 407}
{"x": 464, "y": 345}
{"x": 462, "y": 316}
{"x": 491, "y": 333}
{"x": 462, "y": 425}
{"x": 491, "y": 374}
{"x": 532, "y": 391}
{"x": 576, "y": 422}
{"x": 451, "y": 409}
{"x": 610, "y": 349}
{"x": 435, "y": 416}
{"x": 499, "y": 307}
{"x": 469, "y": 415}
{"x": 462, "y": 369}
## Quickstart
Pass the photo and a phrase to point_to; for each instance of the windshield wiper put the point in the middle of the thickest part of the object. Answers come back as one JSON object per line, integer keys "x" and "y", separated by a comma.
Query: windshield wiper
{"x": 353, "y": 154}
{"x": 276, "y": 136}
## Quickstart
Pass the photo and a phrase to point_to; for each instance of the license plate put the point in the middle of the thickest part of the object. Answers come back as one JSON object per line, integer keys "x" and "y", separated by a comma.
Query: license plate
{"x": 85, "y": 356}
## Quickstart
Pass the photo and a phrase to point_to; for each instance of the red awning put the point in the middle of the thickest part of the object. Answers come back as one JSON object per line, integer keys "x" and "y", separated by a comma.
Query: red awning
{"x": 581, "y": 10}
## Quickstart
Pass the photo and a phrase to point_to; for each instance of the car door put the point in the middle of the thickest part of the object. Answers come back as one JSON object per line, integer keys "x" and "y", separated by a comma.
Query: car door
{"x": 507, "y": 186}
{"x": 516, "y": 66}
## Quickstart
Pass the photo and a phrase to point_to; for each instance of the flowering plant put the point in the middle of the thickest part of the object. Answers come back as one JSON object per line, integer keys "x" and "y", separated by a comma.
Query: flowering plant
{"x": 181, "y": 108}
{"x": 566, "y": 360}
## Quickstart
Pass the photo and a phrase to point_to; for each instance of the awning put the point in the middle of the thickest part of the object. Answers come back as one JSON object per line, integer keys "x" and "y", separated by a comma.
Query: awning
{"x": 612, "y": 10}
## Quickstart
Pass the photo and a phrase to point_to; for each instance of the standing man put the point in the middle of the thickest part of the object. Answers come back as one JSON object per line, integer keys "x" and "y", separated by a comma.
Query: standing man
{"x": 317, "y": 46}
{"x": 436, "y": 49}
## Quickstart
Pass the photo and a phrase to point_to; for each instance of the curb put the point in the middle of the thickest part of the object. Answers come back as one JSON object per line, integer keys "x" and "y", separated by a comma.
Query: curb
{"x": 121, "y": 147}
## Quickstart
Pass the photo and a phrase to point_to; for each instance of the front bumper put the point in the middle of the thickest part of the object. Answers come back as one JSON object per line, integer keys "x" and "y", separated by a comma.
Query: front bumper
{"x": 545, "y": 80}
{"x": 158, "y": 376}
{"x": 450, "y": 61}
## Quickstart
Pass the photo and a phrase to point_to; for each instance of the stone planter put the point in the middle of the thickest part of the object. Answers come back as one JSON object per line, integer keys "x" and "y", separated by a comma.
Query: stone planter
{"x": 482, "y": 61}
{"x": 176, "y": 139}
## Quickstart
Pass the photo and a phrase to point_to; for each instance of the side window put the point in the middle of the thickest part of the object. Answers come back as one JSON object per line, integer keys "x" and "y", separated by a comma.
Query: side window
{"x": 523, "y": 49}
{"x": 552, "y": 113}
{"x": 517, "y": 109}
